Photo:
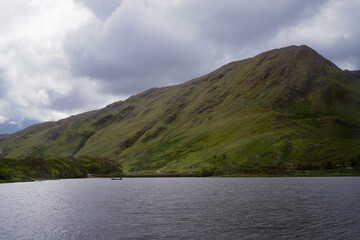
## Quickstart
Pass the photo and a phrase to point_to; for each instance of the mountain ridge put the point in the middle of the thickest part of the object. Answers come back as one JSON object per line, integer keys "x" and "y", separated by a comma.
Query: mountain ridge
{"x": 267, "y": 110}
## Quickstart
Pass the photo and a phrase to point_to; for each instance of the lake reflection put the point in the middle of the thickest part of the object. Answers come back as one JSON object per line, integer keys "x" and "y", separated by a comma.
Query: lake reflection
{"x": 182, "y": 208}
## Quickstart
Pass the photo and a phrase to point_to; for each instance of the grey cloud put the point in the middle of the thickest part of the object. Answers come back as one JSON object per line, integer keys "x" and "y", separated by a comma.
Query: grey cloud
{"x": 234, "y": 23}
{"x": 3, "y": 84}
{"x": 101, "y": 9}
{"x": 141, "y": 45}
{"x": 132, "y": 54}
{"x": 343, "y": 53}
{"x": 73, "y": 100}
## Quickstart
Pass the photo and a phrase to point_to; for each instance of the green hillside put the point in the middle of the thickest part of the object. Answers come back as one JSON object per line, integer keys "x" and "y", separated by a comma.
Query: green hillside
{"x": 285, "y": 108}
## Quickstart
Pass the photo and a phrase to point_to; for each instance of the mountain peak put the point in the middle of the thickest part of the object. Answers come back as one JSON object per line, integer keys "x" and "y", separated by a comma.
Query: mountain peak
{"x": 294, "y": 52}
{"x": 290, "y": 71}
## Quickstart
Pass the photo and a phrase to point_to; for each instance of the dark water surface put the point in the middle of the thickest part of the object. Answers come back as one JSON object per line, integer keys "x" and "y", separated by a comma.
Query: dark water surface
{"x": 182, "y": 208}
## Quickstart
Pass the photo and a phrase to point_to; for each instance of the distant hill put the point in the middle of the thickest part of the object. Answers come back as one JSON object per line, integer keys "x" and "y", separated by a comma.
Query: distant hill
{"x": 287, "y": 107}
{"x": 354, "y": 73}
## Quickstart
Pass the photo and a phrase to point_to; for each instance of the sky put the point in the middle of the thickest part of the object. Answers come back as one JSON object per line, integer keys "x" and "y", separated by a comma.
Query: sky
{"x": 61, "y": 58}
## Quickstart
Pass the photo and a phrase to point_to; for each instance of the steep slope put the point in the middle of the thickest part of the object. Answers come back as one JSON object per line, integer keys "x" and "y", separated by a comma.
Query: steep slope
{"x": 285, "y": 107}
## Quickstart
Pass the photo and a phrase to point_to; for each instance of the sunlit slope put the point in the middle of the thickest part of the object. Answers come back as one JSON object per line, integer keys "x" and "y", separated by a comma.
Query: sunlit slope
{"x": 283, "y": 107}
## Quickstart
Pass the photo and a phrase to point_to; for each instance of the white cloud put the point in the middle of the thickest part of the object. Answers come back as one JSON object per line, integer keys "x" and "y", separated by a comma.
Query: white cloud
{"x": 34, "y": 68}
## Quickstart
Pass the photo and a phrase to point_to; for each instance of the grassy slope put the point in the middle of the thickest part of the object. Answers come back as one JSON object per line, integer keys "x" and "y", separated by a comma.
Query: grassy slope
{"x": 282, "y": 107}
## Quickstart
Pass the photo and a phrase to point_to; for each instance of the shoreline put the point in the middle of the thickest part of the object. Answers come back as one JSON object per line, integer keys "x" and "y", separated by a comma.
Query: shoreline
{"x": 189, "y": 175}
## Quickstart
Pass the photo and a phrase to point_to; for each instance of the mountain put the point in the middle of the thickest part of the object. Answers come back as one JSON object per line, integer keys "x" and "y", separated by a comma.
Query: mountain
{"x": 287, "y": 107}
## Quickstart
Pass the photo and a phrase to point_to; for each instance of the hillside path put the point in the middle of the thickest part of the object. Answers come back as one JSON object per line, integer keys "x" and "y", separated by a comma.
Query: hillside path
{"x": 159, "y": 170}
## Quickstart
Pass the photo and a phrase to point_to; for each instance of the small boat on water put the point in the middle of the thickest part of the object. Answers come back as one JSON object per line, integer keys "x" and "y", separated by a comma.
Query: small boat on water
{"x": 116, "y": 178}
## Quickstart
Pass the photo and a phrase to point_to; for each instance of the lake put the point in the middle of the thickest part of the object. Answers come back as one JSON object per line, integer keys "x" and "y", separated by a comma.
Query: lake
{"x": 182, "y": 208}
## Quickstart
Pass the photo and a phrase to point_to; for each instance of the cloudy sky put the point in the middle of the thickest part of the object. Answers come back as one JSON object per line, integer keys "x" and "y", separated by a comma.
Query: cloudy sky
{"x": 60, "y": 58}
